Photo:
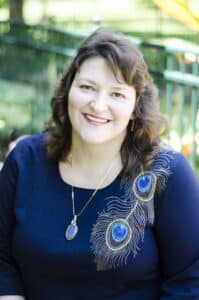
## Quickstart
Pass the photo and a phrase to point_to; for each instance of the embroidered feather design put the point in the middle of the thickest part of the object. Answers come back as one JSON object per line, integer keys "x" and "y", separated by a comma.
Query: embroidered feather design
{"x": 120, "y": 227}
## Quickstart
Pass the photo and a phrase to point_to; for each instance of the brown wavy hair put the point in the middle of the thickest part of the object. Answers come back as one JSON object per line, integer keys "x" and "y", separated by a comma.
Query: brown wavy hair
{"x": 140, "y": 145}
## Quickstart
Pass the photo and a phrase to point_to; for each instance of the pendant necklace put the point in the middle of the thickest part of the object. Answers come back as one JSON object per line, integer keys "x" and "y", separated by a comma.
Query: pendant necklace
{"x": 72, "y": 228}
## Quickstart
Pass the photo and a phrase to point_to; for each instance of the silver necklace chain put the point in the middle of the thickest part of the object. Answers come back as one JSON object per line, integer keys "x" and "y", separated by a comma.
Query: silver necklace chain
{"x": 72, "y": 228}
{"x": 86, "y": 204}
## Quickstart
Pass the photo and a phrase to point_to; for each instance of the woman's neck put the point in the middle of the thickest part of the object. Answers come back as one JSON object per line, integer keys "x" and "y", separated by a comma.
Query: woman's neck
{"x": 93, "y": 157}
{"x": 87, "y": 165}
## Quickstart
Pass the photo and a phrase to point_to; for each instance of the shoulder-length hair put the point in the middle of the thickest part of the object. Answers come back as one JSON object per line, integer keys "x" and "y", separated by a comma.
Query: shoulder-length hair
{"x": 140, "y": 145}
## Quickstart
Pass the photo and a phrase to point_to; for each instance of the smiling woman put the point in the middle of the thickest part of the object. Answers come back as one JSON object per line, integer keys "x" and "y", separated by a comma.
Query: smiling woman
{"x": 97, "y": 207}
{"x": 125, "y": 76}
{"x": 99, "y": 105}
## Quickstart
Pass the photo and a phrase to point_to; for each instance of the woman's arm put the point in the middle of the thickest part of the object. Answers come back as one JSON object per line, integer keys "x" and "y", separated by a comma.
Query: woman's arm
{"x": 10, "y": 280}
{"x": 177, "y": 228}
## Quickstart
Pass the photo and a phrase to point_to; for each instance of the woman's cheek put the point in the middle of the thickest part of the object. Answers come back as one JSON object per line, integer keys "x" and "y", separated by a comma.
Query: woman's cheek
{"x": 122, "y": 111}
{"x": 77, "y": 99}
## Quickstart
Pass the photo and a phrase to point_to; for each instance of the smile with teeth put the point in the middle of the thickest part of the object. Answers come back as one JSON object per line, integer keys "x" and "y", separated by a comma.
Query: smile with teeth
{"x": 95, "y": 120}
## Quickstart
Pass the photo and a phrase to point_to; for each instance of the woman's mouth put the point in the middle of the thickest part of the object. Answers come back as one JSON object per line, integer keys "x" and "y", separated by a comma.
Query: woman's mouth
{"x": 95, "y": 120}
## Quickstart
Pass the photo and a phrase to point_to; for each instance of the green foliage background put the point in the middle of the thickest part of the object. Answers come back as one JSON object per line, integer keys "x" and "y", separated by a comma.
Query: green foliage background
{"x": 4, "y": 3}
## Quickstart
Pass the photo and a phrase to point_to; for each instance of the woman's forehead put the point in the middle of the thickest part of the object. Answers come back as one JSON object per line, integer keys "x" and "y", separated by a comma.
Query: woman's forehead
{"x": 94, "y": 67}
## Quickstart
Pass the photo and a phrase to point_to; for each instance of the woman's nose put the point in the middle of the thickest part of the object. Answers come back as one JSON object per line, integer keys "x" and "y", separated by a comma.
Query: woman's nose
{"x": 99, "y": 102}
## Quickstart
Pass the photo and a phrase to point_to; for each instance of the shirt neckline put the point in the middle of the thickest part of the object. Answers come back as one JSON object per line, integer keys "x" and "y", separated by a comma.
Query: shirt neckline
{"x": 65, "y": 183}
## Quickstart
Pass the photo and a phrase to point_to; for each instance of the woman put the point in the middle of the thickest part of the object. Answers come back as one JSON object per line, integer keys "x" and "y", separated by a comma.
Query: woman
{"x": 97, "y": 207}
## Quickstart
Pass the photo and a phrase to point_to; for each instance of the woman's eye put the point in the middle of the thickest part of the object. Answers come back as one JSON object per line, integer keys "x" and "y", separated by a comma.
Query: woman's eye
{"x": 86, "y": 87}
{"x": 118, "y": 95}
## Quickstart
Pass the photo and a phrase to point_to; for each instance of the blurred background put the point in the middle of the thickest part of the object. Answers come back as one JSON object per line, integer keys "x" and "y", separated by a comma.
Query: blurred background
{"x": 39, "y": 37}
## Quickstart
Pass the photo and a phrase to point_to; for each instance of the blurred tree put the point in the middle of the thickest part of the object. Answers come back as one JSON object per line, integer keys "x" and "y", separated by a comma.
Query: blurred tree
{"x": 16, "y": 9}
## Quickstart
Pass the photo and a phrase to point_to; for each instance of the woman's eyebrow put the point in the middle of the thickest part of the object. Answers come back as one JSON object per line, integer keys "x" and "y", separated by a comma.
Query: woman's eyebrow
{"x": 86, "y": 79}
{"x": 120, "y": 88}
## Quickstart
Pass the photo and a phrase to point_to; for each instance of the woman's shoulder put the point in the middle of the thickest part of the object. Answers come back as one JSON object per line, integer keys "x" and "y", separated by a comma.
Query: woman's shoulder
{"x": 29, "y": 147}
{"x": 31, "y": 140}
{"x": 170, "y": 160}
{"x": 174, "y": 172}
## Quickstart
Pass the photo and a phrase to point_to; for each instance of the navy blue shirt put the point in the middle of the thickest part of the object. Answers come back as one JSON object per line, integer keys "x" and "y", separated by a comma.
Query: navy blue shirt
{"x": 38, "y": 262}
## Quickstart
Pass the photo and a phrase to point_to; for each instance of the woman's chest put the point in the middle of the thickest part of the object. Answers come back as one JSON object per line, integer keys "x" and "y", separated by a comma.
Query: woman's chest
{"x": 40, "y": 246}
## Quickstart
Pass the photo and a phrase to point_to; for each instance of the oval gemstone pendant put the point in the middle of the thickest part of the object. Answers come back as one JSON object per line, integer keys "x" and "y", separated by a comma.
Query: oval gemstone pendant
{"x": 71, "y": 230}
{"x": 118, "y": 234}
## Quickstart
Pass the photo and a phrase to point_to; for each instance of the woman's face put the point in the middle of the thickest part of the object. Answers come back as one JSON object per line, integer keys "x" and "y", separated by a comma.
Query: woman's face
{"x": 99, "y": 106}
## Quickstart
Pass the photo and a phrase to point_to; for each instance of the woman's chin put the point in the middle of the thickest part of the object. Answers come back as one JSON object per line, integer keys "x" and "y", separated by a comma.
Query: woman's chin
{"x": 94, "y": 140}
{"x": 101, "y": 137}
